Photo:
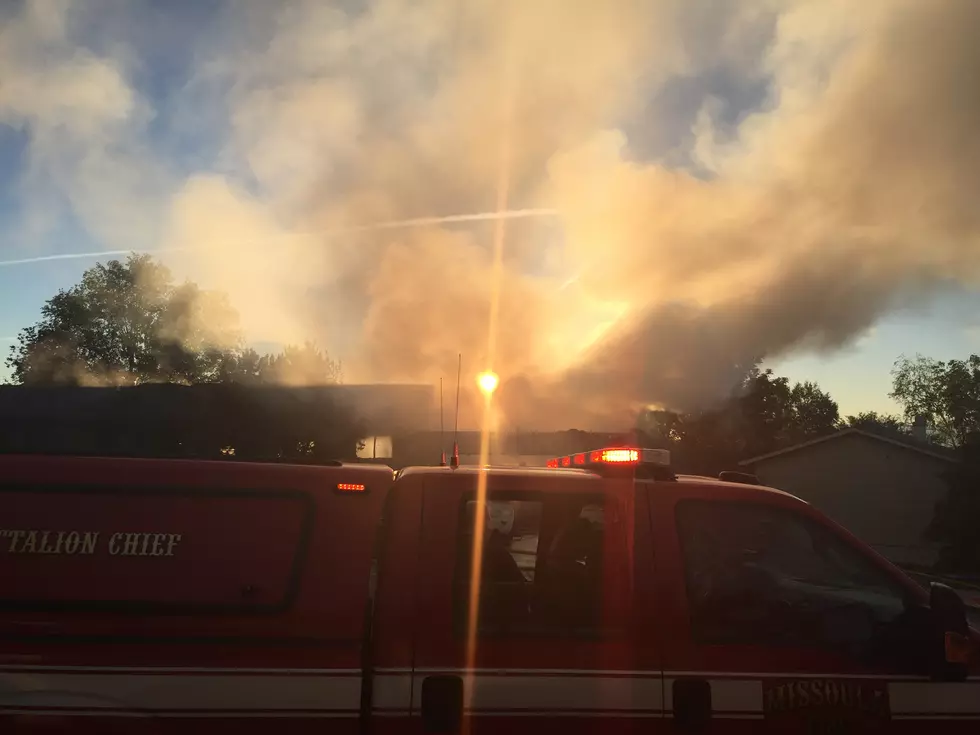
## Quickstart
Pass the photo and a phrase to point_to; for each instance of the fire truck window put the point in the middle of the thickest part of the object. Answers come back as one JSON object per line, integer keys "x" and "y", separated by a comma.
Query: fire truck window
{"x": 762, "y": 575}
{"x": 541, "y": 569}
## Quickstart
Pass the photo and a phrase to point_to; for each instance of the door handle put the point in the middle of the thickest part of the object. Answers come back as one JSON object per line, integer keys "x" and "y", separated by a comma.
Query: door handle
{"x": 442, "y": 704}
{"x": 691, "y": 701}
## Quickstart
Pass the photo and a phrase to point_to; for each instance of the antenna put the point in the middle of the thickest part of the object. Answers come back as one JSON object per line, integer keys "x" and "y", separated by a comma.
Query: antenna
{"x": 442, "y": 430}
{"x": 454, "y": 461}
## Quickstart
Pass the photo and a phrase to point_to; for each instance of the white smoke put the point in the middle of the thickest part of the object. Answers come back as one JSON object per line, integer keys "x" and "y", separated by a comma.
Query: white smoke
{"x": 663, "y": 272}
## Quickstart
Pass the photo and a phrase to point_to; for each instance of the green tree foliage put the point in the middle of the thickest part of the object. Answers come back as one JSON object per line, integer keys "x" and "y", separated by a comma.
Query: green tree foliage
{"x": 661, "y": 429}
{"x": 130, "y": 324}
{"x": 812, "y": 412}
{"x": 774, "y": 414}
{"x": 764, "y": 413}
{"x": 247, "y": 367}
{"x": 305, "y": 365}
{"x": 947, "y": 394}
{"x": 711, "y": 442}
{"x": 878, "y": 423}
{"x": 126, "y": 324}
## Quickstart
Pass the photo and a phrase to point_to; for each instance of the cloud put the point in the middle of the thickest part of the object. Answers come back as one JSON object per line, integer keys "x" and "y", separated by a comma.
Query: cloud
{"x": 86, "y": 128}
{"x": 972, "y": 334}
{"x": 791, "y": 226}
{"x": 849, "y": 195}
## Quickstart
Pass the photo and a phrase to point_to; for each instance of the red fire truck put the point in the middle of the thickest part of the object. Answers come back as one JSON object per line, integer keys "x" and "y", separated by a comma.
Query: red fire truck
{"x": 609, "y": 595}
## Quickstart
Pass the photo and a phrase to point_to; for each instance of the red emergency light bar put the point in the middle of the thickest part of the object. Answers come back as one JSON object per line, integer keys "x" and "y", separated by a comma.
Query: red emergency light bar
{"x": 613, "y": 456}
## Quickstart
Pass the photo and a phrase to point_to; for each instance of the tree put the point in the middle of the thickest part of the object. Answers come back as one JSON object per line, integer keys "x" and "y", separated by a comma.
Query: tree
{"x": 244, "y": 368}
{"x": 306, "y": 365}
{"x": 878, "y": 423}
{"x": 813, "y": 413}
{"x": 709, "y": 442}
{"x": 774, "y": 414}
{"x": 663, "y": 429}
{"x": 947, "y": 394}
{"x": 129, "y": 324}
{"x": 763, "y": 414}
{"x": 126, "y": 324}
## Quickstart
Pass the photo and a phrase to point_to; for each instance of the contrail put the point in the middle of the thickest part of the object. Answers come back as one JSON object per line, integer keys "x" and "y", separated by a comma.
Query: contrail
{"x": 394, "y": 224}
{"x": 61, "y": 256}
{"x": 83, "y": 256}
{"x": 478, "y": 217}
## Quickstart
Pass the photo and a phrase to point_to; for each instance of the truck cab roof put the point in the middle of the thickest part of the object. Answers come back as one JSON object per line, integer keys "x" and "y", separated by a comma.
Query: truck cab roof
{"x": 497, "y": 471}
{"x": 723, "y": 489}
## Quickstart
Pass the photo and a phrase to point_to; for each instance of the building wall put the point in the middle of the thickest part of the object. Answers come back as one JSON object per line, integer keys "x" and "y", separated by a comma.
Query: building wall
{"x": 882, "y": 493}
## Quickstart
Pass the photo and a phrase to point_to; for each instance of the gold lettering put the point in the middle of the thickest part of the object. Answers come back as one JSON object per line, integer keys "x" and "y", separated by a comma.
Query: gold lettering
{"x": 14, "y": 537}
{"x": 45, "y": 549}
{"x": 158, "y": 544}
{"x": 172, "y": 540}
{"x": 131, "y": 547}
{"x": 72, "y": 542}
{"x": 89, "y": 540}
{"x": 802, "y": 693}
{"x": 832, "y": 693}
{"x": 816, "y": 689}
{"x": 776, "y": 699}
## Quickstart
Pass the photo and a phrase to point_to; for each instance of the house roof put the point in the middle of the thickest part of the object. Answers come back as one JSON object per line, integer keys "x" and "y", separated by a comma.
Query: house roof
{"x": 380, "y": 408}
{"x": 926, "y": 449}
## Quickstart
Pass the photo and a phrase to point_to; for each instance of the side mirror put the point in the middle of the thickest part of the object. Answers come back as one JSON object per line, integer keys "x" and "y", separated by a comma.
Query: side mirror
{"x": 949, "y": 634}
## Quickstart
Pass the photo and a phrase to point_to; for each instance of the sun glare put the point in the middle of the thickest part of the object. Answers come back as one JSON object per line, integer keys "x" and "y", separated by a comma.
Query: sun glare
{"x": 488, "y": 382}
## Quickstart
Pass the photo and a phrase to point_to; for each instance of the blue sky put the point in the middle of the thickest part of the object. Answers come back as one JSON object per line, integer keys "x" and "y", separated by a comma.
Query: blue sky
{"x": 138, "y": 120}
{"x": 859, "y": 376}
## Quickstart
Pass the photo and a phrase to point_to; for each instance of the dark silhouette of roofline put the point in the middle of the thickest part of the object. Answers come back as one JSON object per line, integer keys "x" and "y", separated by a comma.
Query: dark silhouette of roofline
{"x": 936, "y": 452}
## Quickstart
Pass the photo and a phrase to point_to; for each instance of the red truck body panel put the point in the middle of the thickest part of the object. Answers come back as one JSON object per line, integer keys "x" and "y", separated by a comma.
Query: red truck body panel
{"x": 196, "y": 596}
{"x": 242, "y": 621}
{"x": 234, "y": 552}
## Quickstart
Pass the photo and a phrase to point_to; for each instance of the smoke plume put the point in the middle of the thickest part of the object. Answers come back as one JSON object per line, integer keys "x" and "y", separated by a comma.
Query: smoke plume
{"x": 698, "y": 226}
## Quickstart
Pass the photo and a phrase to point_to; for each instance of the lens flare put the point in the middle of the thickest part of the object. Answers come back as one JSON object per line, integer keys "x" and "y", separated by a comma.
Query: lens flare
{"x": 488, "y": 382}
